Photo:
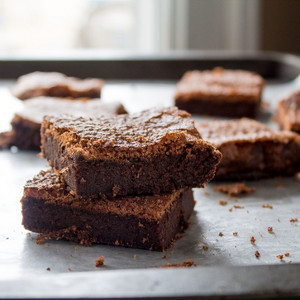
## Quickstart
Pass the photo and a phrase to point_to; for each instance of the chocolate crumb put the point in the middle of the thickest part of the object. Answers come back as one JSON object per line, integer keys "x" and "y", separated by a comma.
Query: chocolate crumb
{"x": 134, "y": 256}
{"x": 205, "y": 248}
{"x": 222, "y": 202}
{"x": 287, "y": 254}
{"x": 257, "y": 254}
{"x": 185, "y": 264}
{"x": 252, "y": 240}
{"x": 279, "y": 185}
{"x": 48, "y": 269}
{"x": 293, "y": 220}
{"x": 280, "y": 256}
{"x": 235, "y": 233}
{"x": 270, "y": 229}
{"x": 267, "y": 206}
{"x": 230, "y": 209}
{"x": 290, "y": 262}
{"x": 238, "y": 206}
{"x": 69, "y": 269}
{"x": 99, "y": 261}
{"x": 164, "y": 257}
{"x": 234, "y": 189}
{"x": 221, "y": 234}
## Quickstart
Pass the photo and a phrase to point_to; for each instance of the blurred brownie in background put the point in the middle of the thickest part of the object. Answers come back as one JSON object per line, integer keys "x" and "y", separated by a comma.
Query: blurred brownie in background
{"x": 220, "y": 92}
{"x": 26, "y": 124}
{"x": 55, "y": 84}
{"x": 288, "y": 112}
{"x": 252, "y": 150}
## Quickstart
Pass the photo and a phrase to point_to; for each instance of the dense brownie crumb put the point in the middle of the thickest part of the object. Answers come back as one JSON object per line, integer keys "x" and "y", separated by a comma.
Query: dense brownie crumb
{"x": 147, "y": 222}
{"x": 56, "y": 85}
{"x": 294, "y": 220}
{"x": 252, "y": 240}
{"x": 270, "y": 229}
{"x": 234, "y": 189}
{"x": 267, "y": 206}
{"x": 257, "y": 254}
{"x": 252, "y": 150}
{"x": 288, "y": 112}
{"x": 99, "y": 261}
{"x": 134, "y": 151}
{"x": 26, "y": 124}
{"x": 185, "y": 264}
{"x": 234, "y": 93}
{"x": 222, "y": 202}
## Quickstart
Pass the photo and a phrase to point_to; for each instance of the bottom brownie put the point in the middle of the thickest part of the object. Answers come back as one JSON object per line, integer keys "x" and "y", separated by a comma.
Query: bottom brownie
{"x": 146, "y": 222}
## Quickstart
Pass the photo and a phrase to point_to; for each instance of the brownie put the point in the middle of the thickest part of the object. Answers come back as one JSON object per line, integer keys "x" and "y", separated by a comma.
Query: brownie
{"x": 26, "y": 124}
{"x": 150, "y": 152}
{"x": 231, "y": 93}
{"x": 288, "y": 112}
{"x": 55, "y": 84}
{"x": 252, "y": 150}
{"x": 147, "y": 222}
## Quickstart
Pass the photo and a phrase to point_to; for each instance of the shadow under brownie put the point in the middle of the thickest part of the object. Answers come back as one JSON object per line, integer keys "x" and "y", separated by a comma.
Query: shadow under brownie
{"x": 151, "y": 152}
{"x": 231, "y": 93}
{"x": 54, "y": 84}
{"x": 26, "y": 124}
{"x": 146, "y": 222}
{"x": 252, "y": 150}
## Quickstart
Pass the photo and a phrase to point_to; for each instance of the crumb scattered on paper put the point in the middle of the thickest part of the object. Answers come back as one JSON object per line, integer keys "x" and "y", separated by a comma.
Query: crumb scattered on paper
{"x": 234, "y": 189}
{"x": 252, "y": 240}
{"x": 185, "y": 264}
{"x": 99, "y": 261}
{"x": 267, "y": 206}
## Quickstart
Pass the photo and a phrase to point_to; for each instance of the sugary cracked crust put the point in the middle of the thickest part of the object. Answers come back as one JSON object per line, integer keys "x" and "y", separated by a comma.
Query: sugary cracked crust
{"x": 56, "y": 85}
{"x": 220, "y": 84}
{"x": 152, "y": 132}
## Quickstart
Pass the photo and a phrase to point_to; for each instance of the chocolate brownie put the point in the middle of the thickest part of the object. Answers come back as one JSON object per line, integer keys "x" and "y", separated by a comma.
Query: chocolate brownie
{"x": 288, "y": 112}
{"x": 150, "y": 152}
{"x": 55, "y": 84}
{"x": 252, "y": 150}
{"x": 147, "y": 222}
{"x": 231, "y": 93}
{"x": 26, "y": 124}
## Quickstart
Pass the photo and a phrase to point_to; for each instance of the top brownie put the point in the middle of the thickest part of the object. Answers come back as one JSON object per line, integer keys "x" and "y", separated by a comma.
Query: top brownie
{"x": 220, "y": 92}
{"x": 252, "y": 150}
{"x": 288, "y": 112}
{"x": 55, "y": 84}
{"x": 150, "y": 152}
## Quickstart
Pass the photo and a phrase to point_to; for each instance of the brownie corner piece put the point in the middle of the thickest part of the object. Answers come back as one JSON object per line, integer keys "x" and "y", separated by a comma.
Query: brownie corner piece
{"x": 288, "y": 112}
{"x": 151, "y": 152}
{"x": 231, "y": 93}
{"x": 251, "y": 150}
{"x": 146, "y": 222}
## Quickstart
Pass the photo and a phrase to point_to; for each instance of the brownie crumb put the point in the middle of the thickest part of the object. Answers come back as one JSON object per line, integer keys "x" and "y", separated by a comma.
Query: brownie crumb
{"x": 252, "y": 240}
{"x": 280, "y": 256}
{"x": 290, "y": 262}
{"x": 40, "y": 239}
{"x": 270, "y": 229}
{"x": 134, "y": 256}
{"x": 99, "y": 261}
{"x": 287, "y": 254}
{"x": 238, "y": 206}
{"x": 221, "y": 234}
{"x": 230, "y": 209}
{"x": 235, "y": 233}
{"x": 294, "y": 220}
{"x": 69, "y": 269}
{"x": 185, "y": 264}
{"x": 234, "y": 189}
{"x": 222, "y": 202}
{"x": 48, "y": 269}
{"x": 205, "y": 248}
{"x": 267, "y": 206}
{"x": 257, "y": 254}
{"x": 279, "y": 185}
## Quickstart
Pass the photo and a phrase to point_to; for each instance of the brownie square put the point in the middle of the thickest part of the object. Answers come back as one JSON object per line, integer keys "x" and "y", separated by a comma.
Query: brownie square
{"x": 288, "y": 112}
{"x": 252, "y": 150}
{"x": 55, "y": 84}
{"x": 146, "y": 222}
{"x": 26, "y": 124}
{"x": 230, "y": 93}
{"x": 150, "y": 152}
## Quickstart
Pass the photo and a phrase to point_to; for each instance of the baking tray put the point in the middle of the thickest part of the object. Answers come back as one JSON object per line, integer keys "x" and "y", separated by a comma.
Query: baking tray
{"x": 228, "y": 268}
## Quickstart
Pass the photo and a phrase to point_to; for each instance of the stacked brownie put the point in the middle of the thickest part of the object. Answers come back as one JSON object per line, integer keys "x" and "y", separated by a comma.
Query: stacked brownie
{"x": 124, "y": 180}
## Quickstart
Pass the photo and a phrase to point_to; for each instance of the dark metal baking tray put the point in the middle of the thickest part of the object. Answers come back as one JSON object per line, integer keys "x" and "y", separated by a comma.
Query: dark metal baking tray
{"x": 228, "y": 269}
